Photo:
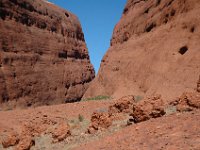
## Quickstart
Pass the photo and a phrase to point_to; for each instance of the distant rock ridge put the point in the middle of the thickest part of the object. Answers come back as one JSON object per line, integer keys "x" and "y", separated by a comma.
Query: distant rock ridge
{"x": 43, "y": 55}
{"x": 154, "y": 50}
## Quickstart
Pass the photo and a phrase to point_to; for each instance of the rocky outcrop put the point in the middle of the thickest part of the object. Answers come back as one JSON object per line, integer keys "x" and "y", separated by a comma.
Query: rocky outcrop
{"x": 188, "y": 101}
{"x": 25, "y": 143}
{"x": 99, "y": 121}
{"x": 154, "y": 49}
{"x": 43, "y": 54}
{"x": 10, "y": 139}
{"x": 123, "y": 105}
{"x": 23, "y": 137}
{"x": 61, "y": 132}
{"x": 152, "y": 107}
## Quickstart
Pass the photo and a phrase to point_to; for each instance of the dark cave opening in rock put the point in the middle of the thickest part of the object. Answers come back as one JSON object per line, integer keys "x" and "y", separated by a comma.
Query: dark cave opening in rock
{"x": 67, "y": 15}
{"x": 183, "y": 50}
{"x": 192, "y": 29}
{"x": 62, "y": 55}
{"x": 150, "y": 27}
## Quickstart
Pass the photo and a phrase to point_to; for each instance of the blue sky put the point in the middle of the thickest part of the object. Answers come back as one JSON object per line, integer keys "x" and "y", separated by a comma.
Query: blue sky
{"x": 98, "y": 18}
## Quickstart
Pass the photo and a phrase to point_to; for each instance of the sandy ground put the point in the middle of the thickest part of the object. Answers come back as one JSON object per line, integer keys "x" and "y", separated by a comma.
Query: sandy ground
{"x": 177, "y": 131}
{"x": 13, "y": 119}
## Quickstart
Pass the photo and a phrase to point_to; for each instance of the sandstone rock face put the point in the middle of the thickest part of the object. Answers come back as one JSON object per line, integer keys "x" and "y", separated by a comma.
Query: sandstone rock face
{"x": 154, "y": 49}
{"x": 43, "y": 54}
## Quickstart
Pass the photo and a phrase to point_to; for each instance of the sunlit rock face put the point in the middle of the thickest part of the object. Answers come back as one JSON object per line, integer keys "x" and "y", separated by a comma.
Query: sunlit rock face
{"x": 154, "y": 50}
{"x": 43, "y": 54}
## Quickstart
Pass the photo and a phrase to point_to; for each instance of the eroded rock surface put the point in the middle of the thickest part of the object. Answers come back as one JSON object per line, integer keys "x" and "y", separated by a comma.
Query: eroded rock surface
{"x": 152, "y": 107}
{"x": 188, "y": 101}
{"x": 123, "y": 105}
{"x": 154, "y": 49}
{"x": 61, "y": 132}
{"x": 25, "y": 143}
{"x": 10, "y": 139}
{"x": 99, "y": 121}
{"x": 43, "y": 54}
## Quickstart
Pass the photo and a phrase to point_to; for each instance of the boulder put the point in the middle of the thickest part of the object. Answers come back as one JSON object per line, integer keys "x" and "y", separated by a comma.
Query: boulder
{"x": 99, "y": 121}
{"x": 151, "y": 107}
{"x": 25, "y": 143}
{"x": 61, "y": 132}
{"x": 10, "y": 139}
{"x": 122, "y": 105}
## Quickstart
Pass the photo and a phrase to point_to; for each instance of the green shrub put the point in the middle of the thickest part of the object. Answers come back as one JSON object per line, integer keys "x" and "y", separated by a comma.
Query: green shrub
{"x": 80, "y": 118}
{"x": 138, "y": 98}
{"x": 99, "y": 97}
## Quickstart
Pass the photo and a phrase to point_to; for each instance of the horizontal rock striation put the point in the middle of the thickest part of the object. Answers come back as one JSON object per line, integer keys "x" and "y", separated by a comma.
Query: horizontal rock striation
{"x": 43, "y": 54}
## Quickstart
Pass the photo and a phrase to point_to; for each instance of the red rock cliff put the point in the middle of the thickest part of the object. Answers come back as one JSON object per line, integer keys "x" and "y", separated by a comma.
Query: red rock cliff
{"x": 43, "y": 54}
{"x": 154, "y": 49}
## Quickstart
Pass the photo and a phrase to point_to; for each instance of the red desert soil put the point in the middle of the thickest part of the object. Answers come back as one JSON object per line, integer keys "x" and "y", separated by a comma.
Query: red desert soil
{"x": 76, "y": 126}
{"x": 174, "y": 132}
{"x": 56, "y": 123}
{"x": 15, "y": 118}
{"x": 160, "y": 61}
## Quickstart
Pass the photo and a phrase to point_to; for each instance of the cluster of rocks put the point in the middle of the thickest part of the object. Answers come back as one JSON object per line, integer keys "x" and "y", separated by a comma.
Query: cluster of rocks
{"x": 188, "y": 101}
{"x": 143, "y": 110}
{"x": 138, "y": 111}
{"x": 24, "y": 139}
